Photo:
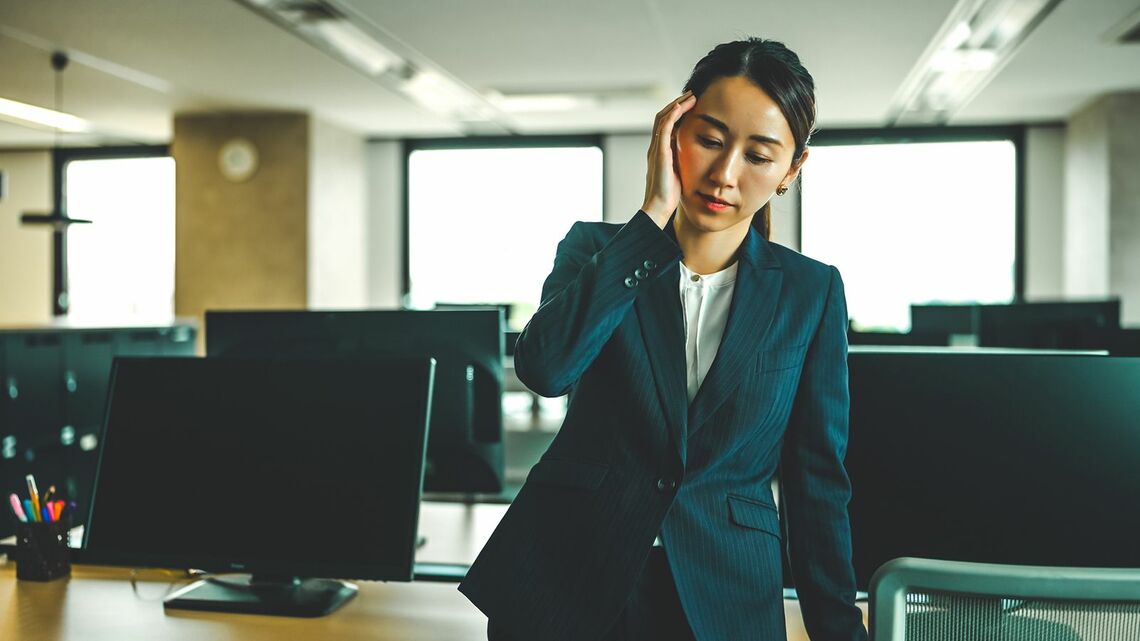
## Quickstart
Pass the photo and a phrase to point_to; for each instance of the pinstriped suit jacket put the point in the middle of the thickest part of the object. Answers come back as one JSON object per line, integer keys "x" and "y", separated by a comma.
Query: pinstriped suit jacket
{"x": 634, "y": 458}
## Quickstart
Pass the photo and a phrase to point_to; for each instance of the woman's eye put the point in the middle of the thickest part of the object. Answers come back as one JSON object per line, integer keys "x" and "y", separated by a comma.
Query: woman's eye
{"x": 757, "y": 160}
{"x": 708, "y": 142}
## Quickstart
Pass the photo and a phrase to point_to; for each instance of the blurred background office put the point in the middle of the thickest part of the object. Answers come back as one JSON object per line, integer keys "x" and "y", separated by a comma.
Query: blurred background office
{"x": 356, "y": 154}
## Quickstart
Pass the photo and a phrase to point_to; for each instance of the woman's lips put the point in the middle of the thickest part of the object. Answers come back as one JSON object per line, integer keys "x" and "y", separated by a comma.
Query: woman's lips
{"x": 713, "y": 204}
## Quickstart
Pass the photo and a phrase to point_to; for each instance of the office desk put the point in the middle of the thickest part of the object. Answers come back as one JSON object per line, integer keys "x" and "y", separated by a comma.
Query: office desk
{"x": 101, "y": 604}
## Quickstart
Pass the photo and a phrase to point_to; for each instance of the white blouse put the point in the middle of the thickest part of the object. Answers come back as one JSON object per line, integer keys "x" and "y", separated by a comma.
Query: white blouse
{"x": 705, "y": 301}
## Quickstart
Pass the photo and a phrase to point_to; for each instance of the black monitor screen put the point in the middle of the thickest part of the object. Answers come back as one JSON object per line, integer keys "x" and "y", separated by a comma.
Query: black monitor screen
{"x": 1056, "y": 325}
{"x": 999, "y": 458}
{"x": 292, "y": 467}
{"x": 465, "y": 451}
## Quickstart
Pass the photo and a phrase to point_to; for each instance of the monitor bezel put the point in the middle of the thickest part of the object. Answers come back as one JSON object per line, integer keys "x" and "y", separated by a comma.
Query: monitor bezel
{"x": 360, "y": 571}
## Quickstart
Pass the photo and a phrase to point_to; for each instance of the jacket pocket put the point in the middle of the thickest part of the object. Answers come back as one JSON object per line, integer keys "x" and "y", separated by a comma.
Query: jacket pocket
{"x": 754, "y": 513}
{"x": 580, "y": 475}
{"x": 773, "y": 360}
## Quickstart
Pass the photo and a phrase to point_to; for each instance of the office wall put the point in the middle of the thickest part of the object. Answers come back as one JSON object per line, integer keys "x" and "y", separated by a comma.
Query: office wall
{"x": 1102, "y": 203}
{"x": 624, "y": 176}
{"x": 1124, "y": 204}
{"x": 241, "y": 244}
{"x": 1044, "y": 212}
{"x": 385, "y": 223}
{"x": 1086, "y": 203}
{"x": 25, "y": 252}
{"x": 337, "y": 233}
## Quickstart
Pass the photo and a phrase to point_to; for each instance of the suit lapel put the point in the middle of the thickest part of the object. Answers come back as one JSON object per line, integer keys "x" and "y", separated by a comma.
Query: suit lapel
{"x": 754, "y": 297}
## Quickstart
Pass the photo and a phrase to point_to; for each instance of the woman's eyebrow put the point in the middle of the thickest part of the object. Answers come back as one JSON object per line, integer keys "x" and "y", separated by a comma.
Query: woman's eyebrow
{"x": 724, "y": 128}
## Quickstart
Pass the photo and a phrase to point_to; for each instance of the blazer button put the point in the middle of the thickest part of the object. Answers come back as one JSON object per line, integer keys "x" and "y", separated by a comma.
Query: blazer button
{"x": 649, "y": 264}
{"x": 630, "y": 282}
{"x": 640, "y": 273}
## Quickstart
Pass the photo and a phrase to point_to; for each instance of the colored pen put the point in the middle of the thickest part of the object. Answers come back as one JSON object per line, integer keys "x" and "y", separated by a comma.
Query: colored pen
{"x": 33, "y": 494}
{"x": 46, "y": 514}
{"x": 17, "y": 508}
{"x": 57, "y": 507}
{"x": 30, "y": 511}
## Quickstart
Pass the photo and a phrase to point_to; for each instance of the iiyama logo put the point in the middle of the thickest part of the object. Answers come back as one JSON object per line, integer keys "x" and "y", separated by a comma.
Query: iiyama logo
{"x": 237, "y": 566}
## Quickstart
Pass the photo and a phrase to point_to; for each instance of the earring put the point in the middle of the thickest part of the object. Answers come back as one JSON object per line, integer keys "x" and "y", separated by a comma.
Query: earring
{"x": 781, "y": 190}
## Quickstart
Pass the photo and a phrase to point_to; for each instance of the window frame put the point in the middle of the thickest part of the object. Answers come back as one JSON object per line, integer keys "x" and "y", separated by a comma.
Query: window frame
{"x": 61, "y": 157}
{"x": 904, "y": 135}
{"x": 410, "y": 145}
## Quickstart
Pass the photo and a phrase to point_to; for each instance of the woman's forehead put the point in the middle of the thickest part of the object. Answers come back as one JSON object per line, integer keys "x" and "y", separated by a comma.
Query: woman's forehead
{"x": 745, "y": 108}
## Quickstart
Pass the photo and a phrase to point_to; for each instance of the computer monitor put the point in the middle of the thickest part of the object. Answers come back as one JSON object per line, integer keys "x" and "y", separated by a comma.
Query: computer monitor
{"x": 945, "y": 320}
{"x": 465, "y": 451}
{"x": 1015, "y": 458}
{"x": 1126, "y": 343}
{"x": 296, "y": 471}
{"x": 1051, "y": 325}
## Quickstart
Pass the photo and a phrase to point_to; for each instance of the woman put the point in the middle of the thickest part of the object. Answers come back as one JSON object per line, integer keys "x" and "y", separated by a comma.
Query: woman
{"x": 703, "y": 360}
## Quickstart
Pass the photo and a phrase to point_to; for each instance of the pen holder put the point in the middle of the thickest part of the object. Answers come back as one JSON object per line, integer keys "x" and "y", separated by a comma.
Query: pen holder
{"x": 41, "y": 550}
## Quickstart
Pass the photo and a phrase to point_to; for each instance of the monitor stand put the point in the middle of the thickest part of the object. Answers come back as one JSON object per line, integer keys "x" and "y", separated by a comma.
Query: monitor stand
{"x": 261, "y": 594}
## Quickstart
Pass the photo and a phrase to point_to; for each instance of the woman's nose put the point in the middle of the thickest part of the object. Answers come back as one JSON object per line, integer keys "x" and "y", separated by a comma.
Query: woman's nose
{"x": 724, "y": 171}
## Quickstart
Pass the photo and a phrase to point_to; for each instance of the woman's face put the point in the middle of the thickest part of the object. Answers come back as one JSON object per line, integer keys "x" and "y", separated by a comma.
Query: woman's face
{"x": 734, "y": 146}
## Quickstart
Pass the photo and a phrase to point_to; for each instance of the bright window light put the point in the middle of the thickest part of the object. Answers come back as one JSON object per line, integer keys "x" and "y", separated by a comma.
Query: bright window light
{"x": 912, "y": 223}
{"x": 483, "y": 224}
{"x": 121, "y": 267}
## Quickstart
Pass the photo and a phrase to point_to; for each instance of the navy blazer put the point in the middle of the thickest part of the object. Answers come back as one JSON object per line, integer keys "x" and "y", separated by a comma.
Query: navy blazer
{"x": 635, "y": 459}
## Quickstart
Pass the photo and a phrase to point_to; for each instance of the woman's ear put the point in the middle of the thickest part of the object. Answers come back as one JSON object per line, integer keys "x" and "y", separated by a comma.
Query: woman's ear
{"x": 794, "y": 170}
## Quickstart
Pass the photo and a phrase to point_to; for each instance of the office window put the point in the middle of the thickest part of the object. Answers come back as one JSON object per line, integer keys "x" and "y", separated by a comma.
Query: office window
{"x": 915, "y": 222}
{"x": 483, "y": 222}
{"x": 121, "y": 267}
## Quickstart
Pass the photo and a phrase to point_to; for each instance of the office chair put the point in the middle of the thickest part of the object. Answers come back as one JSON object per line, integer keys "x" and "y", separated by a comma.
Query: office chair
{"x": 930, "y": 600}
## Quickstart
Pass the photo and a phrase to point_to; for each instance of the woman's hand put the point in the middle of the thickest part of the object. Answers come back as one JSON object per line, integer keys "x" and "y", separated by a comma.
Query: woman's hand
{"x": 662, "y": 184}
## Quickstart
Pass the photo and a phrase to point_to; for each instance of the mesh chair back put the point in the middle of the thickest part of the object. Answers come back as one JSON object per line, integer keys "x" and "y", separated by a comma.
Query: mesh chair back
{"x": 931, "y": 600}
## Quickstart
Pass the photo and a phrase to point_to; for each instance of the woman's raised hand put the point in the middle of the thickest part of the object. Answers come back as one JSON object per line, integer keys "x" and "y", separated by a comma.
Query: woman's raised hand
{"x": 662, "y": 184}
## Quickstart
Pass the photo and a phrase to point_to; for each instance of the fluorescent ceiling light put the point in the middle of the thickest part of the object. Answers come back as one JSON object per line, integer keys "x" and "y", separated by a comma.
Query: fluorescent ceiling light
{"x": 542, "y": 103}
{"x": 963, "y": 60}
{"x": 326, "y": 27}
{"x": 444, "y": 96}
{"x": 25, "y": 114}
{"x": 958, "y": 35}
{"x": 336, "y": 28}
{"x": 977, "y": 39}
{"x": 353, "y": 45}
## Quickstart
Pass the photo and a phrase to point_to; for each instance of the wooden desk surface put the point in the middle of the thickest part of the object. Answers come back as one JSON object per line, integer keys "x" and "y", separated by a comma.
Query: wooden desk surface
{"x": 102, "y": 604}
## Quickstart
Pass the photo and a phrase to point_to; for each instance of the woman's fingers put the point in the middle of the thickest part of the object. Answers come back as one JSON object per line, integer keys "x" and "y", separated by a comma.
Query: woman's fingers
{"x": 669, "y": 113}
{"x": 665, "y": 119}
{"x": 662, "y": 181}
{"x": 675, "y": 114}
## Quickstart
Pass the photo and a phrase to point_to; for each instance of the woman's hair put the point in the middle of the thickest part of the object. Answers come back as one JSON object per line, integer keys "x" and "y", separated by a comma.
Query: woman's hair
{"x": 775, "y": 69}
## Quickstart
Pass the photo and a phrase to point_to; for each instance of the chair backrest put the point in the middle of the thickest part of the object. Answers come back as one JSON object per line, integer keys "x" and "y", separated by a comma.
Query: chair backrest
{"x": 931, "y": 600}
